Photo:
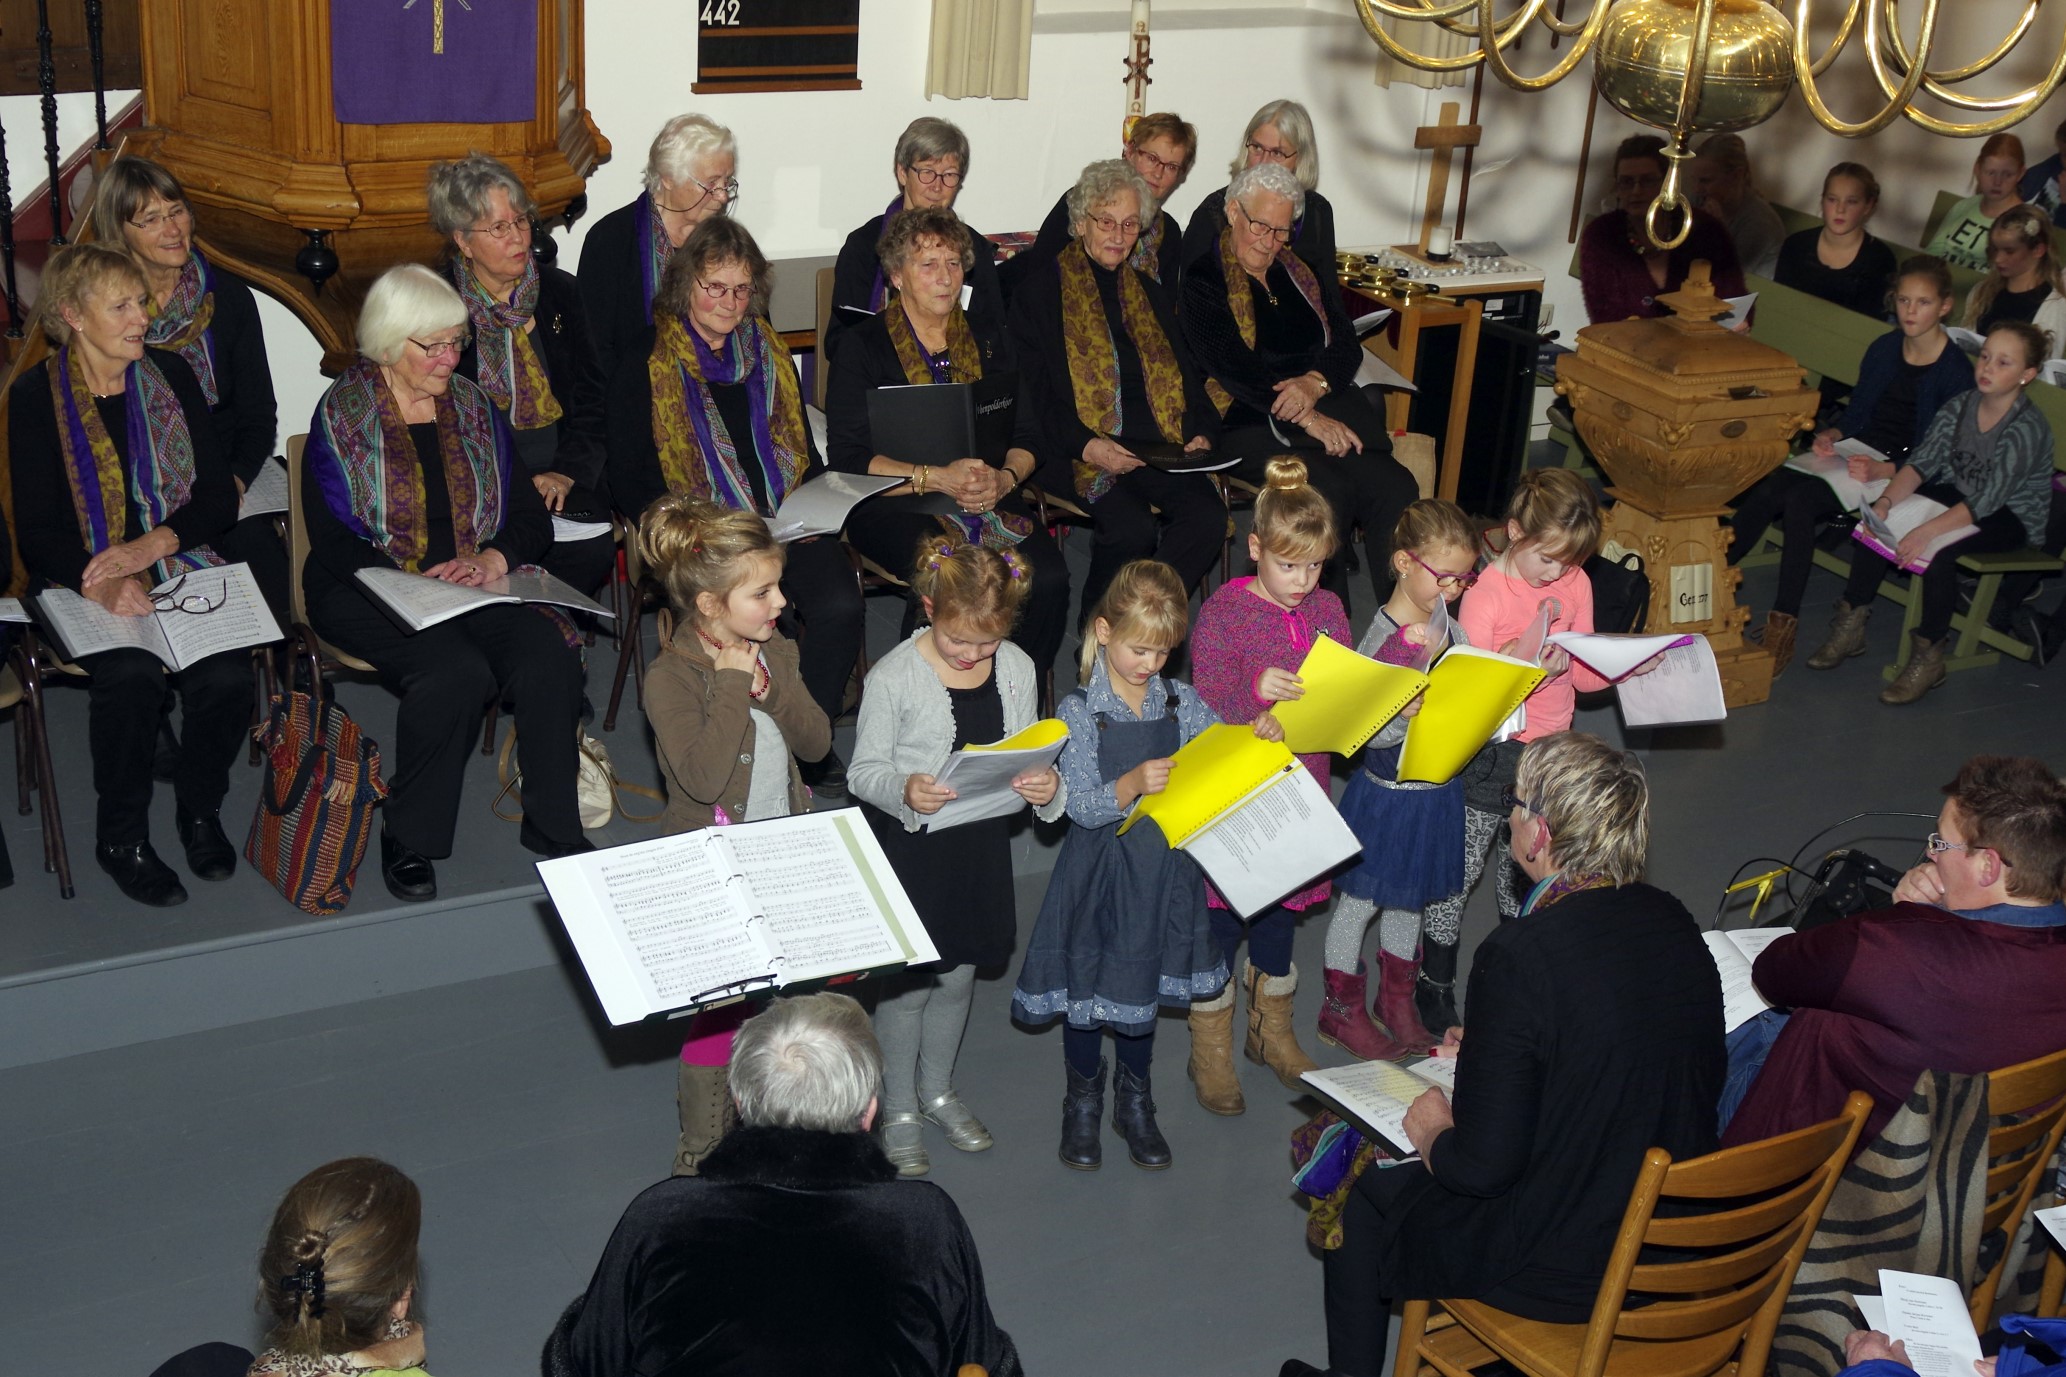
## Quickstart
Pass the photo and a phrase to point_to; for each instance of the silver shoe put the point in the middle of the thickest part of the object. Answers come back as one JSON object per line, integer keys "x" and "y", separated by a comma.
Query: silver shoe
{"x": 963, "y": 1129}
{"x": 903, "y": 1143}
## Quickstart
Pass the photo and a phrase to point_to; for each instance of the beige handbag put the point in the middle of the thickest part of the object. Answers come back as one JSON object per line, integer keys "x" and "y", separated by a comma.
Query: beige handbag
{"x": 597, "y": 789}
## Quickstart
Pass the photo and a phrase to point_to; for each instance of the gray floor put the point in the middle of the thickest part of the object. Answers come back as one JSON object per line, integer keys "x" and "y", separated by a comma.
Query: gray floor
{"x": 138, "y": 1180}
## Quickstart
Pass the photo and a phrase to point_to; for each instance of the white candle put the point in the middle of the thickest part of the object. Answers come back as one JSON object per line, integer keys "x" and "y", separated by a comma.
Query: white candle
{"x": 1440, "y": 241}
{"x": 1140, "y": 17}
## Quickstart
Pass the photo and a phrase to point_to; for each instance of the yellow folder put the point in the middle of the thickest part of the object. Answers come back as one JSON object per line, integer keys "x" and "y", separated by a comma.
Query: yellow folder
{"x": 1216, "y": 770}
{"x": 1348, "y": 699}
{"x": 1470, "y": 693}
{"x": 1046, "y": 732}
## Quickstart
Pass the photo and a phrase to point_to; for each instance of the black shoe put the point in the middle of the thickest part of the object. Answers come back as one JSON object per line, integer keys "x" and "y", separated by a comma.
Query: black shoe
{"x": 1083, "y": 1108}
{"x": 139, "y": 873}
{"x": 1434, "y": 992}
{"x": 1133, "y": 1115}
{"x": 1294, "y": 1367}
{"x": 209, "y": 852}
{"x": 2046, "y": 635}
{"x": 409, "y": 877}
{"x": 531, "y": 839}
{"x": 826, "y": 777}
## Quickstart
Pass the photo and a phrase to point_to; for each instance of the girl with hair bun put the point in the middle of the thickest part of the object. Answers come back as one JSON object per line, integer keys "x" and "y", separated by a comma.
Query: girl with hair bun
{"x": 731, "y": 717}
{"x": 956, "y": 682}
{"x": 337, "y": 1275}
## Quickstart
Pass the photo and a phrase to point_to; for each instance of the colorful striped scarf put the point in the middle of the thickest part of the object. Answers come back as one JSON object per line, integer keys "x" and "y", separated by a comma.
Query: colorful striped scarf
{"x": 653, "y": 250}
{"x": 1147, "y": 250}
{"x": 963, "y": 364}
{"x": 1241, "y": 301}
{"x": 160, "y": 471}
{"x": 509, "y": 370}
{"x": 1093, "y": 359}
{"x": 181, "y": 324}
{"x": 698, "y": 456}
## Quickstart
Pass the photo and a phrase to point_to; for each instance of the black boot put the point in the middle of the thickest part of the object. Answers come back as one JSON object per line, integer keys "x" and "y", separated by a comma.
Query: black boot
{"x": 139, "y": 873}
{"x": 1434, "y": 993}
{"x": 1083, "y": 1107}
{"x": 1133, "y": 1115}
{"x": 210, "y": 855}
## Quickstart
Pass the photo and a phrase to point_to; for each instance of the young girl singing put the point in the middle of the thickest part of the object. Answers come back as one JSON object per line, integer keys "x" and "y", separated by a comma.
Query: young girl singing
{"x": 1123, "y": 927}
{"x": 730, "y": 719}
{"x": 957, "y": 682}
{"x": 1252, "y": 635}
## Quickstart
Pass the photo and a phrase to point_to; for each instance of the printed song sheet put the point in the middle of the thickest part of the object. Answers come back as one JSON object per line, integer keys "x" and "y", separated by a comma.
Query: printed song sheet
{"x": 820, "y": 506}
{"x": 1929, "y": 1316}
{"x": 420, "y": 601}
{"x": 179, "y": 639}
{"x": 1734, "y": 953}
{"x": 11, "y": 610}
{"x": 1884, "y": 537}
{"x": 981, "y": 776}
{"x": 817, "y": 879}
{"x": 1615, "y": 657}
{"x": 1836, "y": 471}
{"x": 267, "y": 493}
{"x": 1279, "y": 839}
{"x": 1686, "y": 687}
{"x": 1375, "y": 1094}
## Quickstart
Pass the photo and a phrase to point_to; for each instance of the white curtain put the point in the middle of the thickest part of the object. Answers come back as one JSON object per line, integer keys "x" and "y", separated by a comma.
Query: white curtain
{"x": 980, "y": 48}
{"x": 1421, "y": 37}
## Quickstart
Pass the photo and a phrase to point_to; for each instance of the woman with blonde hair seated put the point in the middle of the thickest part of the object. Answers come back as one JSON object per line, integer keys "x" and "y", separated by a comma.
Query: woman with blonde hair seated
{"x": 2024, "y": 281}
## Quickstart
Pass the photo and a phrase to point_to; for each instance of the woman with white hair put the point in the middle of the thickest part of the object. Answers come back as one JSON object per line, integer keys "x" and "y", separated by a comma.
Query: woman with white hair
{"x": 691, "y": 175}
{"x": 409, "y": 466}
{"x": 1278, "y": 135}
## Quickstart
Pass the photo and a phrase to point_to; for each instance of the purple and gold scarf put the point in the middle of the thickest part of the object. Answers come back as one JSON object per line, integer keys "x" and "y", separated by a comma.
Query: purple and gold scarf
{"x": 1147, "y": 250}
{"x": 509, "y": 370}
{"x": 879, "y": 289}
{"x": 963, "y": 363}
{"x": 1093, "y": 359}
{"x": 1241, "y": 301}
{"x": 697, "y": 455}
{"x": 181, "y": 324}
{"x": 653, "y": 250}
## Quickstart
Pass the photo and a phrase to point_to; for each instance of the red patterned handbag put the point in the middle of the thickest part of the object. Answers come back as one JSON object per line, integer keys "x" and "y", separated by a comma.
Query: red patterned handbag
{"x": 315, "y": 811}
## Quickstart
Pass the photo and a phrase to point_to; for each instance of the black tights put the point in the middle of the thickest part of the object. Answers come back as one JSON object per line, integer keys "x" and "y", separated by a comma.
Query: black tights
{"x": 1084, "y": 1049}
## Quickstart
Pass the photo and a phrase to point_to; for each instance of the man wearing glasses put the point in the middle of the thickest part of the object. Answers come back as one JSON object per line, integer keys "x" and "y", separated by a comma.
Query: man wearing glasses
{"x": 1962, "y": 974}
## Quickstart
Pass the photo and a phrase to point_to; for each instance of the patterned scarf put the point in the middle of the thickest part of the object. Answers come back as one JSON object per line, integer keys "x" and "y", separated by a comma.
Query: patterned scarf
{"x": 1093, "y": 357}
{"x": 160, "y": 472}
{"x": 1147, "y": 250}
{"x": 1241, "y": 301}
{"x": 276, "y": 1362}
{"x": 1562, "y": 885}
{"x": 963, "y": 364}
{"x": 879, "y": 290}
{"x": 374, "y": 483}
{"x": 181, "y": 324}
{"x": 653, "y": 250}
{"x": 698, "y": 456}
{"x": 509, "y": 370}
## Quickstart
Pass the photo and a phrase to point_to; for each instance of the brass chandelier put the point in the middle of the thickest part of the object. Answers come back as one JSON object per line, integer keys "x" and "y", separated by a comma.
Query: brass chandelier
{"x": 1707, "y": 66}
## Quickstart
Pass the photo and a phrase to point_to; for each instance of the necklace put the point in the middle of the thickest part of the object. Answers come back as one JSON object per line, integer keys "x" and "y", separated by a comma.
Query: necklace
{"x": 758, "y": 689}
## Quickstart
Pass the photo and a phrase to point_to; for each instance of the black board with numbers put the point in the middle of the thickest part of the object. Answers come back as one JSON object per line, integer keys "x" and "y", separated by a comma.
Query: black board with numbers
{"x": 777, "y": 45}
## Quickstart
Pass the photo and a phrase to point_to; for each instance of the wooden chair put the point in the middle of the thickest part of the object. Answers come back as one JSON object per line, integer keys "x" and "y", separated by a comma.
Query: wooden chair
{"x": 1711, "y": 1314}
{"x": 628, "y": 592}
{"x": 2048, "y": 1295}
{"x": 869, "y": 577}
{"x": 21, "y": 688}
{"x": 2028, "y": 1106}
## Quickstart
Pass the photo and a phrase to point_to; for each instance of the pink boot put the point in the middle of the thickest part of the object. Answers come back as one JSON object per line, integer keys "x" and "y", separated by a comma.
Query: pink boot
{"x": 1345, "y": 1023}
{"x": 1395, "y": 1007}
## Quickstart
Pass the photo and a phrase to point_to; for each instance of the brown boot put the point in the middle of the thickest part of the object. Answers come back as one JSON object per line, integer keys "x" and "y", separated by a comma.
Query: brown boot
{"x": 1396, "y": 977}
{"x": 1846, "y": 637}
{"x": 1923, "y": 672}
{"x": 704, "y": 1101}
{"x": 1779, "y": 634}
{"x": 1212, "y": 1054}
{"x": 1272, "y": 1040}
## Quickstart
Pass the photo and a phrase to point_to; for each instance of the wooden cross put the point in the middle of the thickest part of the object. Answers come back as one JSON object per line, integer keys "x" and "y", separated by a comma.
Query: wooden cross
{"x": 1444, "y": 137}
{"x": 437, "y": 21}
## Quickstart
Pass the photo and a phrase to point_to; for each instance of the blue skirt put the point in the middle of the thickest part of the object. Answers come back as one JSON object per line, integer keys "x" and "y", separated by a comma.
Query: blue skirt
{"x": 1412, "y": 838}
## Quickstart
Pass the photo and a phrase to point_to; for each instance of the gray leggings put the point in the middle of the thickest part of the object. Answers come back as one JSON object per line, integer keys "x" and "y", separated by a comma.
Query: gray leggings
{"x": 919, "y": 1020}
{"x": 1401, "y": 930}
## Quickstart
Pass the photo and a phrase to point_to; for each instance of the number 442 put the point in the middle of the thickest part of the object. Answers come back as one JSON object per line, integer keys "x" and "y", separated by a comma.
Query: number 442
{"x": 721, "y": 12}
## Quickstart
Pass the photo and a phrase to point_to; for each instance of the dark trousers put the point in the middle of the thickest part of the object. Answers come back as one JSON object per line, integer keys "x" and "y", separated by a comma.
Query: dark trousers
{"x": 256, "y": 541}
{"x": 125, "y": 700}
{"x": 1800, "y": 503}
{"x": 1999, "y": 530}
{"x": 1269, "y": 937}
{"x": 2016, "y": 588}
{"x": 582, "y": 564}
{"x": 826, "y": 600}
{"x": 447, "y": 675}
{"x": 1177, "y": 518}
{"x": 889, "y": 535}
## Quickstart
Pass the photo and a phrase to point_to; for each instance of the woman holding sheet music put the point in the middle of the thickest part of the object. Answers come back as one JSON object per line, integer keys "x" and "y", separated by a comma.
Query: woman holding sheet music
{"x": 410, "y": 467}
{"x": 120, "y": 482}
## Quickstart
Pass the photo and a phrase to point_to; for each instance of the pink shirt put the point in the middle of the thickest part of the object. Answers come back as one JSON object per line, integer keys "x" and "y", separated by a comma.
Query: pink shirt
{"x": 1499, "y": 607}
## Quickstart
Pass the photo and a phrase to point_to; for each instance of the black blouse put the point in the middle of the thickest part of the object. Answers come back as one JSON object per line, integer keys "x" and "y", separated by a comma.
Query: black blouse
{"x": 613, "y": 293}
{"x": 574, "y": 444}
{"x": 246, "y": 415}
{"x": 1288, "y": 338}
{"x": 1312, "y": 235}
{"x": 867, "y": 360}
{"x": 1862, "y": 286}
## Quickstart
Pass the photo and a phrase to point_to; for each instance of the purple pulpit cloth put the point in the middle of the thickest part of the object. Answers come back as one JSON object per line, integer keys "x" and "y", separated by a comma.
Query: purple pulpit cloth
{"x": 383, "y": 69}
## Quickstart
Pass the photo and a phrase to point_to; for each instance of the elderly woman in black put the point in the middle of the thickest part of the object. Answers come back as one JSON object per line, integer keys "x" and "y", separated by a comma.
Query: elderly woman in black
{"x": 120, "y": 482}
{"x": 1595, "y": 1035}
{"x": 530, "y": 353}
{"x": 1271, "y": 333}
{"x": 1278, "y": 135}
{"x": 1107, "y": 374}
{"x": 717, "y": 412}
{"x": 923, "y": 336}
{"x": 409, "y": 466}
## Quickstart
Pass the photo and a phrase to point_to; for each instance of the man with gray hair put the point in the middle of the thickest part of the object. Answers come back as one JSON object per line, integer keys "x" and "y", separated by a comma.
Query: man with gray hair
{"x": 796, "y": 1249}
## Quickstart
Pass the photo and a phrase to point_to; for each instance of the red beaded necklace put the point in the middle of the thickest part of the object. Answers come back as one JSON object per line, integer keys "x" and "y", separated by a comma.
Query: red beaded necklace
{"x": 759, "y": 689}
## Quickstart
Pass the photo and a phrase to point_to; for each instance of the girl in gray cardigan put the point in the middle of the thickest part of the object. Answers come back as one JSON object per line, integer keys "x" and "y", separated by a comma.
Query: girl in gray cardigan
{"x": 957, "y": 682}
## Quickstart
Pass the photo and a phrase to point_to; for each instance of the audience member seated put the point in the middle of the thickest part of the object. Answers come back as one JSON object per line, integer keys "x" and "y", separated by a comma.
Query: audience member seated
{"x": 407, "y": 467}
{"x": 931, "y": 166}
{"x": 1274, "y": 340}
{"x": 2025, "y": 283}
{"x": 2040, "y": 184}
{"x": 1281, "y": 134}
{"x": 691, "y": 175}
{"x": 717, "y": 412}
{"x": 209, "y": 317}
{"x": 1987, "y": 458}
{"x": 1162, "y": 148}
{"x": 1961, "y": 240}
{"x": 1720, "y": 183}
{"x": 1962, "y": 974}
{"x": 1841, "y": 262}
{"x": 1905, "y": 379}
{"x": 920, "y": 337}
{"x": 796, "y": 1250}
{"x": 1108, "y": 373}
{"x": 1594, "y": 1033}
{"x": 1619, "y": 271}
{"x": 120, "y": 483}
{"x": 543, "y": 383}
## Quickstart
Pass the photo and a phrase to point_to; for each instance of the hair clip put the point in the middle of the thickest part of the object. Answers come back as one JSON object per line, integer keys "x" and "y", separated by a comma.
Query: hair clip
{"x": 307, "y": 1279}
{"x": 1017, "y": 568}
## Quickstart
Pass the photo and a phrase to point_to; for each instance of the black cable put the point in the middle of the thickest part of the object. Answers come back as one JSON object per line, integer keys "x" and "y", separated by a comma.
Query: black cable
{"x": 1714, "y": 924}
{"x": 1793, "y": 866}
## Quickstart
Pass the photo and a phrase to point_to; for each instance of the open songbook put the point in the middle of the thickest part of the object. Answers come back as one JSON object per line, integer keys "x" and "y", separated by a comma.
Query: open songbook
{"x": 1734, "y": 954}
{"x": 268, "y": 491}
{"x": 1883, "y": 538}
{"x": 1249, "y": 813}
{"x": 1835, "y": 470}
{"x": 418, "y": 600}
{"x": 1472, "y": 698}
{"x": 1348, "y": 697}
{"x": 820, "y": 506}
{"x": 197, "y": 615}
{"x": 981, "y": 776}
{"x": 1929, "y": 1317}
{"x": 1376, "y": 1094}
{"x": 11, "y": 610}
{"x": 681, "y": 923}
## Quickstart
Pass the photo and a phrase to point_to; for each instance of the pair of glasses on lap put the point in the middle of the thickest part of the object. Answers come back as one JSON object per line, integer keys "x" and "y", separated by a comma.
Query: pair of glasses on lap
{"x": 195, "y": 603}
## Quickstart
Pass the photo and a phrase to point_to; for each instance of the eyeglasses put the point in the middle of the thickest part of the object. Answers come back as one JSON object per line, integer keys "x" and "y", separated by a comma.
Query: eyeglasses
{"x": 1128, "y": 227}
{"x": 1443, "y": 580}
{"x": 715, "y": 292}
{"x": 179, "y": 214}
{"x": 194, "y": 604}
{"x": 728, "y": 189}
{"x": 1511, "y": 800}
{"x": 1649, "y": 183}
{"x": 1275, "y": 155}
{"x": 1159, "y": 164}
{"x": 502, "y": 231}
{"x": 1258, "y": 229}
{"x": 929, "y": 175}
{"x": 455, "y": 346}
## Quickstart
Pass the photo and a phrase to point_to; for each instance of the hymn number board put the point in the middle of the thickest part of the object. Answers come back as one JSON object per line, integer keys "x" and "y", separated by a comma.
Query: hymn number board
{"x": 777, "y": 45}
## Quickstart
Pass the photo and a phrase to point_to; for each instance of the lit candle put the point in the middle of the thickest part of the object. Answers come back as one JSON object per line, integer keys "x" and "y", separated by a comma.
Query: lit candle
{"x": 1440, "y": 241}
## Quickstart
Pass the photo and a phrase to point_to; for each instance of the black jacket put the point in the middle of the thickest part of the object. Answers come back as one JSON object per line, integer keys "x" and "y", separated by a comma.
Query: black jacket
{"x": 1054, "y": 236}
{"x": 853, "y": 282}
{"x": 612, "y": 286}
{"x": 793, "y": 1252}
{"x": 1312, "y": 235}
{"x": 247, "y": 419}
{"x": 867, "y": 360}
{"x": 561, "y": 339}
{"x": 1250, "y": 373}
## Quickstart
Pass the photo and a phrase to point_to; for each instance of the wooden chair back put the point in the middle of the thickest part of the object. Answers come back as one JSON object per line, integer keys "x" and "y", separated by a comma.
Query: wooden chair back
{"x": 1822, "y": 337}
{"x": 297, "y": 556}
{"x": 2027, "y": 1104}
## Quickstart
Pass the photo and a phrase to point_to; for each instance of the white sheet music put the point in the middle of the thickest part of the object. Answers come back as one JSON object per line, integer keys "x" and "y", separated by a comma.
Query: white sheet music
{"x": 982, "y": 780}
{"x": 820, "y": 506}
{"x": 1614, "y": 657}
{"x": 1928, "y": 1315}
{"x": 267, "y": 493}
{"x": 1280, "y": 838}
{"x": 11, "y": 610}
{"x": 1734, "y": 954}
{"x": 242, "y": 619}
{"x": 1685, "y": 687}
{"x": 823, "y": 913}
{"x": 1376, "y": 1094}
{"x": 422, "y": 601}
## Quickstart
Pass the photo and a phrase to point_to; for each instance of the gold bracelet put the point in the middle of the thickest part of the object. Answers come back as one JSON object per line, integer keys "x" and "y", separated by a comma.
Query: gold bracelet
{"x": 918, "y": 478}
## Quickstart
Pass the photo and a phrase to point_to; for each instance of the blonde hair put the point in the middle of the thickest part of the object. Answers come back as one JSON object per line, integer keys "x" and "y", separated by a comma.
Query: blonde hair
{"x": 408, "y": 300}
{"x": 2034, "y": 228}
{"x": 341, "y": 1251}
{"x": 76, "y": 272}
{"x": 1595, "y": 799}
{"x": 1292, "y": 519}
{"x": 978, "y": 589}
{"x": 694, "y": 546}
{"x": 1145, "y": 601}
{"x": 1556, "y": 509}
{"x": 1433, "y": 522}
